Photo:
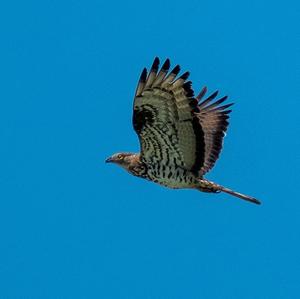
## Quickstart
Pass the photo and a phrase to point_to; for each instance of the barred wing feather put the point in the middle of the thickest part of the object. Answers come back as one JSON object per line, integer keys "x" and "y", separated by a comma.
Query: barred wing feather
{"x": 173, "y": 128}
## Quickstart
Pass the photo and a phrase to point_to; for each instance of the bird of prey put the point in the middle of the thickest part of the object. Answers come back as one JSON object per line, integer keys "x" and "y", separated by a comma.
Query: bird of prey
{"x": 181, "y": 135}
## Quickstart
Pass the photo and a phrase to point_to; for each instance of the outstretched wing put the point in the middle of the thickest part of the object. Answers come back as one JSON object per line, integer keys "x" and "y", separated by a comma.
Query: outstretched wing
{"x": 214, "y": 122}
{"x": 172, "y": 128}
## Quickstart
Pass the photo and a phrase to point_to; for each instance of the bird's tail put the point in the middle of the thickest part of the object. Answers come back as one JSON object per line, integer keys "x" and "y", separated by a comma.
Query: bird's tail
{"x": 208, "y": 186}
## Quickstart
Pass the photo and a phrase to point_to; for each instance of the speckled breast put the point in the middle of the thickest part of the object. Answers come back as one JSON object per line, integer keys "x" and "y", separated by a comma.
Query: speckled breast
{"x": 170, "y": 176}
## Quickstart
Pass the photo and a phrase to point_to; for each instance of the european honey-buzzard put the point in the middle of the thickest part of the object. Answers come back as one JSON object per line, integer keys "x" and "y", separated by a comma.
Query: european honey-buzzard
{"x": 180, "y": 135}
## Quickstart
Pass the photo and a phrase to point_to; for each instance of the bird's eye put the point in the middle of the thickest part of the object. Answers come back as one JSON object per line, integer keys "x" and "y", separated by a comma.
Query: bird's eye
{"x": 120, "y": 156}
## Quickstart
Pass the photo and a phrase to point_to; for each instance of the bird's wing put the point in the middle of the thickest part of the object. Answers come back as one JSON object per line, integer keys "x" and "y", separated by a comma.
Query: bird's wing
{"x": 164, "y": 119}
{"x": 213, "y": 118}
{"x": 171, "y": 127}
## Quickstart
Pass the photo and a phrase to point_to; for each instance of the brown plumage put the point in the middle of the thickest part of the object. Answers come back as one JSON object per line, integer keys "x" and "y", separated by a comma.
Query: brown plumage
{"x": 180, "y": 135}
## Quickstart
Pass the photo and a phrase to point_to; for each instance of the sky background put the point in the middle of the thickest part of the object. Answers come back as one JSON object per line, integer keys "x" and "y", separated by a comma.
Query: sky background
{"x": 72, "y": 226}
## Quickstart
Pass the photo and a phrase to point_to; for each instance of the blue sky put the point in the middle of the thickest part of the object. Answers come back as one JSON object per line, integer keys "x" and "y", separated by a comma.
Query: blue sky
{"x": 72, "y": 226}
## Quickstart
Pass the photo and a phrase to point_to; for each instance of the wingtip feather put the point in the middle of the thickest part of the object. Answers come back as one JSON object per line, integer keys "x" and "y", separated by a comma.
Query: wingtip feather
{"x": 166, "y": 65}
{"x": 155, "y": 64}
{"x": 143, "y": 76}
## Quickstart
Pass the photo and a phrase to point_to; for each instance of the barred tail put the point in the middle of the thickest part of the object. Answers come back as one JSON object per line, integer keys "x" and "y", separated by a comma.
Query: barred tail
{"x": 208, "y": 186}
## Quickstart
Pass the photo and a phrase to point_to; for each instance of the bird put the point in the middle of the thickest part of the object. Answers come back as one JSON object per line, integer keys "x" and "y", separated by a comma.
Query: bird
{"x": 180, "y": 134}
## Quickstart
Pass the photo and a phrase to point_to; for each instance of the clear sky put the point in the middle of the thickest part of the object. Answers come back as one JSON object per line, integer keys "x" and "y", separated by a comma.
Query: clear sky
{"x": 72, "y": 226}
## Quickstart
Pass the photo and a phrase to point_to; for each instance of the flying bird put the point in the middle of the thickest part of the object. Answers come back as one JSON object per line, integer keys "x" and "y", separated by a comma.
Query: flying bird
{"x": 181, "y": 135}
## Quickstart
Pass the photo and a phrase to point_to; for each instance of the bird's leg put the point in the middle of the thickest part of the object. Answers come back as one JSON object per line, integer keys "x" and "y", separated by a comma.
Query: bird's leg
{"x": 208, "y": 186}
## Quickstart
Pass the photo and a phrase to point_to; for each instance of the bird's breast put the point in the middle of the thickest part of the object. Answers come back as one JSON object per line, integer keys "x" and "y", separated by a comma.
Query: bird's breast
{"x": 170, "y": 176}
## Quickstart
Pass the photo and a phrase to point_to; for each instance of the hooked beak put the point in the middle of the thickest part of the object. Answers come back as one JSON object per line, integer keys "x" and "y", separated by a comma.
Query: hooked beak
{"x": 109, "y": 160}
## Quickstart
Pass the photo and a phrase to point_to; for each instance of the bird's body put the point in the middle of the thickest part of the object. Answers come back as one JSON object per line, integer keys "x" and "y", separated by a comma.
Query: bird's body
{"x": 181, "y": 136}
{"x": 171, "y": 176}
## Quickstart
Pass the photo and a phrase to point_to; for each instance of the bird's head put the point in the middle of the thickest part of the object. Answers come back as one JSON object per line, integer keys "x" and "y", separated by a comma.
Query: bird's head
{"x": 129, "y": 161}
{"x": 120, "y": 158}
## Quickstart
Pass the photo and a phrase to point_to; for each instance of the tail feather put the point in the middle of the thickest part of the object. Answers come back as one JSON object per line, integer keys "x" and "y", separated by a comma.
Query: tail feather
{"x": 208, "y": 186}
{"x": 240, "y": 195}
